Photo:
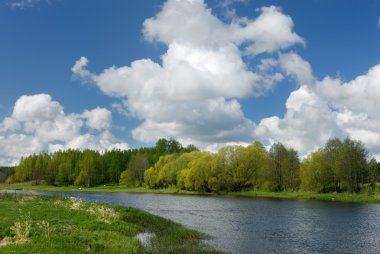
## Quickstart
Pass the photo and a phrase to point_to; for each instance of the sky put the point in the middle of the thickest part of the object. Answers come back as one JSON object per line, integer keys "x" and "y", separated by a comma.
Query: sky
{"x": 115, "y": 74}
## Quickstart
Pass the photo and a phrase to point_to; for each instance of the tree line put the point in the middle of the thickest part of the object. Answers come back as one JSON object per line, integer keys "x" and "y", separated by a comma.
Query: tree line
{"x": 88, "y": 168}
{"x": 336, "y": 167}
{"x": 341, "y": 165}
{"x": 5, "y": 172}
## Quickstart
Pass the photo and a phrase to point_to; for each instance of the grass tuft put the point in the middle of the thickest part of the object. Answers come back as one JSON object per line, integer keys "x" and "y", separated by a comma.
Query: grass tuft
{"x": 106, "y": 215}
{"x": 21, "y": 230}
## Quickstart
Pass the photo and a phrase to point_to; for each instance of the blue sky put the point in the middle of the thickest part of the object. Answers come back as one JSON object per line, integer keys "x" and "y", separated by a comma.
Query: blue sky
{"x": 301, "y": 72}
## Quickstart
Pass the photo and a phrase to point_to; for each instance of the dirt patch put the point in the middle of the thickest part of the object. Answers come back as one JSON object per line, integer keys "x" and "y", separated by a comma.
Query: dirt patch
{"x": 6, "y": 241}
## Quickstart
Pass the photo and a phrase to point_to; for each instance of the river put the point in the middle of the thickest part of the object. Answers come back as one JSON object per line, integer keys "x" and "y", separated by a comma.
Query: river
{"x": 260, "y": 225}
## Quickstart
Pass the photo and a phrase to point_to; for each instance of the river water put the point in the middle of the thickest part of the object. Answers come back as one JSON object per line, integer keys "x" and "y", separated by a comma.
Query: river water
{"x": 259, "y": 225}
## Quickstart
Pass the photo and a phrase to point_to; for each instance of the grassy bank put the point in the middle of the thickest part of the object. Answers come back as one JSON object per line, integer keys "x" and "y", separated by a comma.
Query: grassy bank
{"x": 102, "y": 188}
{"x": 339, "y": 197}
{"x": 36, "y": 224}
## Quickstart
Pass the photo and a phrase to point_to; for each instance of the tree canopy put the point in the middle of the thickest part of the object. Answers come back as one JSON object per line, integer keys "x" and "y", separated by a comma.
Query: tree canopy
{"x": 341, "y": 165}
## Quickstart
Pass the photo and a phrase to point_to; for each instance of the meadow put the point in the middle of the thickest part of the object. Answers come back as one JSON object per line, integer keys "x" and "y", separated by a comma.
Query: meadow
{"x": 39, "y": 224}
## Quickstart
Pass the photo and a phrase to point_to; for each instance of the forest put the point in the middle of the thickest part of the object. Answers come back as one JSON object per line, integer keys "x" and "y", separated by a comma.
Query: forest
{"x": 341, "y": 165}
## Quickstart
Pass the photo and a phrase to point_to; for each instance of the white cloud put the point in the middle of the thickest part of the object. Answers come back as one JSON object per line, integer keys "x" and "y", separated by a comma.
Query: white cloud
{"x": 270, "y": 31}
{"x": 39, "y": 115}
{"x": 39, "y": 123}
{"x": 14, "y": 146}
{"x": 104, "y": 141}
{"x": 98, "y": 118}
{"x": 295, "y": 66}
{"x": 227, "y": 3}
{"x": 359, "y": 95}
{"x": 378, "y": 22}
{"x": 22, "y": 4}
{"x": 358, "y": 105}
{"x": 79, "y": 69}
{"x": 307, "y": 124}
{"x": 319, "y": 110}
{"x": 193, "y": 94}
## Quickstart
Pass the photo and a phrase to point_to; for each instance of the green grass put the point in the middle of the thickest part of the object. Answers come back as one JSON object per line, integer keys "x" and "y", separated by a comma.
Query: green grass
{"x": 364, "y": 197}
{"x": 337, "y": 197}
{"x": 101, "y": 188}
{"x": 70, "y": 226}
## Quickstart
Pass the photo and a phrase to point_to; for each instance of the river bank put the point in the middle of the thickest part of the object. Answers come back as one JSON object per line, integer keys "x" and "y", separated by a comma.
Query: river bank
{"x": 40, "y": 224}
{"x": 335, "y": 197}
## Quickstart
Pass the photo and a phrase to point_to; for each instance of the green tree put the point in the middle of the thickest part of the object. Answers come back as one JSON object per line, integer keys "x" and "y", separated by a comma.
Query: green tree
{"x": 352, "y": 164}
{"x": 251, "y": 161}
{"x": 283, "y": 168}
{"x": 64, "y": 171}
{"x": 372, "y": 173}
{"x": 133, "y": 176}
{"x": 330, "y": 163}
{"x": 311, "y": 175}
{"x": 196, "y": 172}
{"x": 88, "y": 170}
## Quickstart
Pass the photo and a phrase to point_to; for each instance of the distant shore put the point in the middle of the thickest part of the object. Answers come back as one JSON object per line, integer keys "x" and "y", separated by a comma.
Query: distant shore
{"x": 334, "y": 197}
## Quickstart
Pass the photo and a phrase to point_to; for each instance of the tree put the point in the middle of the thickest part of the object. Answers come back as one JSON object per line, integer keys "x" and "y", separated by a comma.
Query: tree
{"x": 88, "y": 170}
{"x": 352, "y": 162}
{"x": 195, "y": 175}
{"x": 283, "y": 168}
{"x": 311, "y": 174}
{"x": 372, "y": 173}
{"x": 225, "y": 166}
{"x": 252, "y": 160}
{"x": 133, "y": 176}
{"x": 3, "y": 177}
{"x": 191, "y": 148}
{"x": 64, "y": 171}
{"x": 330, "y": 163}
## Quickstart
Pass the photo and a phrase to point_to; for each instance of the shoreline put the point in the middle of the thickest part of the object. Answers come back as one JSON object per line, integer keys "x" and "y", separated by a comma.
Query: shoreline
{"x": 331, "y": 197}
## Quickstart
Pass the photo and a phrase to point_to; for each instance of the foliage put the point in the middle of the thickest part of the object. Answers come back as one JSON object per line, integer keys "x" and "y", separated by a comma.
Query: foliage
{"x": 133, "y": 176}
{"x": 6, "y": 172}
{"x": 339, "y": 166}
{"x": 233, "y": 168}
{"x": 91, "y": 168}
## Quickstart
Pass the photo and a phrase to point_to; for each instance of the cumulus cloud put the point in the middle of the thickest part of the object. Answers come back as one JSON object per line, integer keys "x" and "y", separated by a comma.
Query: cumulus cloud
{"x": 79, "y": 69}
{"x": 39, "y": 115}
{"x": 296, "y": 67}
{"x": 104, "y": 141}
{"x": 321, "y": 109}
{"x": 38, "y": 123}
{"x": 98, "y": 118}
{"x": 193, "y": 93}
{"x": 270, "y": 31}
{"x": 358, "y": 105}
{"x": 307, "y": 124}
{"x": 359, "y": 95}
